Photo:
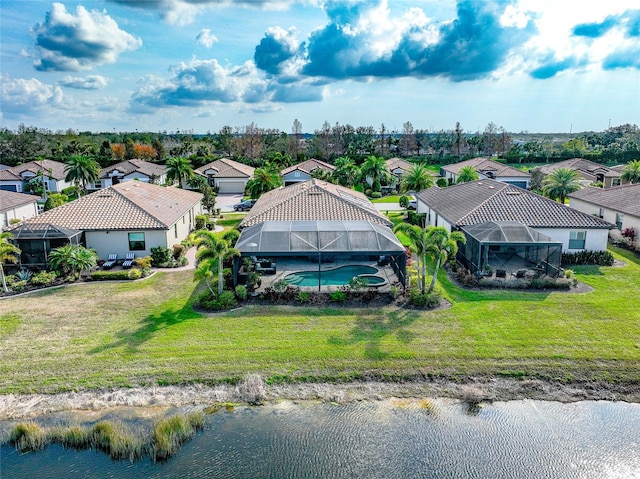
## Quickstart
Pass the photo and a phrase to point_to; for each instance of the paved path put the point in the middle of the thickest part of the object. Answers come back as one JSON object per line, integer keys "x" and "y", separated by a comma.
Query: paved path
{"x": 226, "y": 201}
{"x": 388, "y": 207}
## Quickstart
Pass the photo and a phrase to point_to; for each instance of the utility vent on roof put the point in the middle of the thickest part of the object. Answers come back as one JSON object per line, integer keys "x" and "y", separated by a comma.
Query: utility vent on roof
{"x": 104, "y": 195}
{"x": 317, "y": 193}
{"x": 514, "y": 193}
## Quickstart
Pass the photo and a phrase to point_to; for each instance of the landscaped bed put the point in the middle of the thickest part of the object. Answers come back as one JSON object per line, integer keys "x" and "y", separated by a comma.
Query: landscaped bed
{"x": 107, "y": 335}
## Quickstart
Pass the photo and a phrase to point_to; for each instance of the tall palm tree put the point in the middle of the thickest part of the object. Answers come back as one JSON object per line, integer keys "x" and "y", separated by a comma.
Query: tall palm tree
{"x": 467, "y": 174}
{"x": 374, "y": 170}
{"x": 346, "y": 172}
{"x": 212, "y": 250}
{"x": 417, "y": 178}
{"x": 631, "y": 172}
{"x": 8, "y": 254}
{"x": 418, "y": 239}
{"x": 561, "y": 183}
{"x": 440, "y": 246}
{"x": 81, "y": 170}
{"x": 264, "y": 179}
{"x": 72, "y": 259}
{"x": 179, "y": 169}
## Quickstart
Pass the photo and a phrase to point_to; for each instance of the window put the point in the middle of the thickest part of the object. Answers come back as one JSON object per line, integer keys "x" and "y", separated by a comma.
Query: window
{"x": 296, "y": 174}
{"x": 601, "y": 213}
{"x": 615, "y": 182}
{"x": 577, "y": 239}
{"x": 619, "y": 218}
{"x": 175, "y": 228}
{"x": 136, "y": 242}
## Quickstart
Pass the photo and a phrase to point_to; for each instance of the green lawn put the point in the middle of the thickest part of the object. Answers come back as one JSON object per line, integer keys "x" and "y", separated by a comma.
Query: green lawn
{"x": 105, "y": 335}
{"x": 387, "y": 199}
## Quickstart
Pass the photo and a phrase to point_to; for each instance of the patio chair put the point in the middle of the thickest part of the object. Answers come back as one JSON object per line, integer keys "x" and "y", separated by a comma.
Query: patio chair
{"x": 111, "y": 261}
{"x": 128, "y": 260}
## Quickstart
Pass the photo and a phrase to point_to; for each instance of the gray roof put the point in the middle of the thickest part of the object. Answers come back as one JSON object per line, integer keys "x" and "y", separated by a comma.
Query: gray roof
{"x": 580, "y": 164}
{"x": 132, "y": 166}
{"x": 11, "y": 199}
{"x": 125, "y": 206}
{"x": 489, "y": 200}
{"x": 625, "y": 198}
{"x": 313, "y": 200}
{"x": 50, "y": 168}
{"x": 308, "y": 166}
{"x": 487, "y": 166}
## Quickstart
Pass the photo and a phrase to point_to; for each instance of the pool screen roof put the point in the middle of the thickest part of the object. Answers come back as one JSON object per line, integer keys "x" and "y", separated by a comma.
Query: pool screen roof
{"x": 308, "y": 237}
{"x": 506, "y": 232}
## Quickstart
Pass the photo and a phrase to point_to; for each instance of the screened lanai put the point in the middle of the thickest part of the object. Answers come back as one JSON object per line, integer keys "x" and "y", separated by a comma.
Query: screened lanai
{"x": 322, "y": 241}
{"x": 511, "y": 247}
{"x": 36, "y": 240}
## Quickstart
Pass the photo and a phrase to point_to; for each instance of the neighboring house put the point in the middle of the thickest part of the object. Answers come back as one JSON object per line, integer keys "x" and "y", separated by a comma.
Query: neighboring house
{"x": 313, "y": 200}
{"x": 130, "y": 217}
{"x": 589, "y": 171}
{"x": 489, "y": 169}
{"x": 398, "y": 166}
{"x": 226, "y": 175}
{"x": 302, "y": 171}
{"x": 619, "y": 205}
{"x": 16, "y": 177}
{"x": 129, "y": 170}
{"x": 482, "y": 201}
{"x": 16, "y": 206}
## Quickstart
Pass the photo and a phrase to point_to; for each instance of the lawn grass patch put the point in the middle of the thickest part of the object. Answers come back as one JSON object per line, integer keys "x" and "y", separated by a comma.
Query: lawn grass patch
{"x": 387, "y": 199}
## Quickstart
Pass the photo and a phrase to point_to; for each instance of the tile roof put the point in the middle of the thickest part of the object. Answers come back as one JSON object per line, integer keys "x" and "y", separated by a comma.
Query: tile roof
{"x": 393, "y": 163}
{"x": 125, "y": 206}
{"x": 132, "y": 166}
{"x": 313, "y": 200}
{"x": 625, "y": 198}
{"x": 227, "y": 168}
{"x": 53, "y": 169}
{"x": 308, "y": 166}
{"x": 488, "y": 200}
{"x": 483, "y": 165}
{"x": 580, "y": 164}
{"x": 11, "y": 199}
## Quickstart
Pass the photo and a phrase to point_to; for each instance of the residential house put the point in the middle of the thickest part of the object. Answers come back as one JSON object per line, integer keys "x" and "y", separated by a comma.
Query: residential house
{"x": 227, "y": 176}
{"x": 17, "y": 207}
{"x": 303, "y": 171}
{"x": 619, "y": 205}
{"x": 53, "y": 176}
{"x": 398, "y": 167}
{"x": 130, "y": 217}
{"x": 488, "y": 169}
{"x": 589, "y": 171}
{"x": 129, "y": 170}
{"x": 482, "y": 201}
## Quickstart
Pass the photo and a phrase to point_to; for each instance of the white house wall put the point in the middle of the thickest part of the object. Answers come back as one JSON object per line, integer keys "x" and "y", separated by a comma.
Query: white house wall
{"x": 296, "y": 176}
{"x": 21, "y": 213}
{"x": 17, "y": 185}
{"x": 610, "y": 215}
{"x": 432, "y": 218}
{"x": 118, "y": 242}
{"x": 596, "y": 239}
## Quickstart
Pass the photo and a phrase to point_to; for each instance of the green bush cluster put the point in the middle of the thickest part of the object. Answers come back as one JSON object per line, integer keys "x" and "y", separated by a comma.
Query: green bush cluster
{"x": 424, "y": 300}
{"x": 134, "y": 273}
{"x": 43, "y": 278}
{"x": 201, "y": 221}
{"x": 109, "y": 275}
{"x": 214, "y": 302}
{"x": 241, "y": 292}
{"x": 338, "y": 296}
{"x": 599, "y": 258}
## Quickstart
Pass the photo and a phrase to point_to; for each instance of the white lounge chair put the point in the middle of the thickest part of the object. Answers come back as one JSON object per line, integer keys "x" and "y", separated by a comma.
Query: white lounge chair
{"x": 128, "y": 260}
{"x": 111, "y": 261}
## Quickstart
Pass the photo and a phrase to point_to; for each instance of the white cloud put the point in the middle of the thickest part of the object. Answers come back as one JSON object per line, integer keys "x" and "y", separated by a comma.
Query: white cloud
{"x": 91, "y": 82}
{"x": 20, "y": 95}
{"x": 206, "y": 38}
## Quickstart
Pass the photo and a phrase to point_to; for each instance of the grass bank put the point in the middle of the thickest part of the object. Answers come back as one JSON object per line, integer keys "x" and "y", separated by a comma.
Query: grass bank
{"x": 146, "y": 333}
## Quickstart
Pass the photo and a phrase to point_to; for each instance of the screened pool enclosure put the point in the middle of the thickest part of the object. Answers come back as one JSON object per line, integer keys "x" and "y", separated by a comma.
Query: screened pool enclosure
{"x": 509, "y": 247}
{"x": 321, "y": 242}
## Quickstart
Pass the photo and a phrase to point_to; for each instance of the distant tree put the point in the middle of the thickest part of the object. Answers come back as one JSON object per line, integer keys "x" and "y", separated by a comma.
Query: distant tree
{"x": 117, "y": 151}
{"x": 559, "y": 184}
{"x": 346, "y": 172}
{"x": 373, "y": 171}
{"x": 459, "y": 140}
{"x": 179, "y": 170}
{"x": 467, "y": 174}
{"x": 129, "y": 149}
{"x": 576, "y": 147}
{"x": 81, "y": 170}
{"x": 161, "y": 151}
{"x": 418, "y": 178}
{"x": 408, "y": 143}
{"x": 323, "y": 175}
{"x": 264, "y": 179}
{"x": 8, "y": 254}
{"x": 296, "y": 138}
{"x": 54, "y": 200}
{"x": 631, "y": 172}
{"x": 145, "y": 152}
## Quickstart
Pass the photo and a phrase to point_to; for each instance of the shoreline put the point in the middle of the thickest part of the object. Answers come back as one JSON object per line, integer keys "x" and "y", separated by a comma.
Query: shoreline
{"x": 473, "y": 391}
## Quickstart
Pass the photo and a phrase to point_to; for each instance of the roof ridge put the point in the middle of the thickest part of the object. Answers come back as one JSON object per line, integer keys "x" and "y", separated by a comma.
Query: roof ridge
{"x": 491, "y": 197}
{"x": 140, "y": 208}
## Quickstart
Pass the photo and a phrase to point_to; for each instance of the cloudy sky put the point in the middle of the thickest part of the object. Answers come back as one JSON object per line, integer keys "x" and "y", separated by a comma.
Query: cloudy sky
{"x": 168, "y": 65}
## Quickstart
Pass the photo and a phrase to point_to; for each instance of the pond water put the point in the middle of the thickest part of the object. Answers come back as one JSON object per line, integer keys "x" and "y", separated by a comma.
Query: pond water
{"x": 380, "y": 439}
{"x": 334, "y": 277}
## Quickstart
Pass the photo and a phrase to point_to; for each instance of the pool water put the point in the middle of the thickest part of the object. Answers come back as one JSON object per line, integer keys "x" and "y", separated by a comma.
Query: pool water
{"x": 334, "y": 277}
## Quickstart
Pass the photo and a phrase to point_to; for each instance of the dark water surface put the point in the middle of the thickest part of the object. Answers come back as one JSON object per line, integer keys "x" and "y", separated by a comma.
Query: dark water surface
{"x": 386, "y": 439}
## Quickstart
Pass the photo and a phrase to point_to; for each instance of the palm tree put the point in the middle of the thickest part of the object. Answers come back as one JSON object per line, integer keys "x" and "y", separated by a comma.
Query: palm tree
{"x": 179, "y": 169}
{"x": 418, "y": 178}
{"x": 631, "y": 172}
{"x": 346, "y": 172}
{"x": 467, "y": 174}
{"x": 374, "y": 170}
{"x": 418, "y": 239}
{"x": 72, "y": 259}
{"x": 211, "y": 250}
{"x": 8, "y": 254}
{"x": 561, "y": 183}
{"x": 264, "y": 179}
{"x": 81, "y": 170}
{"x": 440, "y": 246}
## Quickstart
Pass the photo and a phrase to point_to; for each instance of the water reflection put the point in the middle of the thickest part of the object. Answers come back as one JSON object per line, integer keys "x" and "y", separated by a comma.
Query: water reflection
{"x": 387, "y": 439}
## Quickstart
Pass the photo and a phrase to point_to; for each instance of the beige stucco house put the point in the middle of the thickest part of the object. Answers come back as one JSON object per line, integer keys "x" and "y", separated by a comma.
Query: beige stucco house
{"x": 53, "y": 176}
{"x": 226, "y": 175}
{"x": 16, "y": 206}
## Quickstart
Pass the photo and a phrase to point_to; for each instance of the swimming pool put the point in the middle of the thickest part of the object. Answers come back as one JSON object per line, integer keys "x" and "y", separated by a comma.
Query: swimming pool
{"x": 335, "y": 277}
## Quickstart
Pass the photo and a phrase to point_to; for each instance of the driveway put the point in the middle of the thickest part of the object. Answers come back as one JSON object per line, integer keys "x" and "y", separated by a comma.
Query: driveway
{"x": 226, "y": 201}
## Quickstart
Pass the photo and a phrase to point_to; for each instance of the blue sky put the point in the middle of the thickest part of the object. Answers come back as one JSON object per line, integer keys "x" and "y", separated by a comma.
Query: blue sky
{"x": 167, "y": 65}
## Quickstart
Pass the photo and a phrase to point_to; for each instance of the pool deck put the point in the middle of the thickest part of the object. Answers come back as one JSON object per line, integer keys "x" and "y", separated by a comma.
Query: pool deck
{"x": 288, "y": 266}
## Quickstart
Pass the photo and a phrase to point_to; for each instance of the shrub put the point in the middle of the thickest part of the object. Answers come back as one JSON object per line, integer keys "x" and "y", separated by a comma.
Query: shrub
{"x": 442, "y": 182}
{"x": 394, "y": 292}
{"x": 403, "y": 201}
{"x": 368, "y": 191}
{"x": 134, "y": 273}
{"x": 24, "y": 275}
{"x": 568, "y": 273}
{"x": 115, "y": 440}
{"x": 251, "y": 389}
{"x": 303, "y": 297}
{"x": 551, "y": 283}
{"x": 109, "y": 275}
{"x": 43, "y": 278}
{"x": 424, "y": 300}
{"x": 466, "y": 277}
{"x": 201, "y": 221}
{"x": 28, "y": 436}
{"x": 599, "y": 258}
{"x": 241, "y": 292}
{"x": 18, "y": 285}
{"x": 416, "y": 218}
{"x": 160, "y": 255}
{"x": 376, "y": 194}
{"x": 178, "y": 251}
{"x": 143, "y": 263}
{"x": 338, "y": 296}
{"x": 170, "y": 433}
{"x": 215, "y": 302}
{"x": 357, "y": 284}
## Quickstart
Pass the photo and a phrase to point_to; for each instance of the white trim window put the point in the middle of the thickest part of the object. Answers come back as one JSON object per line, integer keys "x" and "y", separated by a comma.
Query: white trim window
{"x": 577, "y": 239}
